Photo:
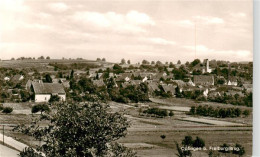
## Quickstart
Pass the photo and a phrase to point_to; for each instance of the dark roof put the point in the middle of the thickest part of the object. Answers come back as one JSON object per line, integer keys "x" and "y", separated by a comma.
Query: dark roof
{"x": 98, "y": 83}
{"x": 47, "y": 88}
{"x": 168, "y": 88}
{"x": 153, "y": 86}
{"x": 203, "y": 79}
{"x": 17, "y": 78}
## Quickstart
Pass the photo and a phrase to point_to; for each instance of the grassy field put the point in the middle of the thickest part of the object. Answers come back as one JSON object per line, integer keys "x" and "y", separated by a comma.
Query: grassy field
{"x": 144, "y": 134}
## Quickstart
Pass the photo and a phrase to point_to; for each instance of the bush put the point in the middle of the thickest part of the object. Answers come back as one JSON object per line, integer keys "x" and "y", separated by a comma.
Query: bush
{"x": 246, "y": 113}
{"x": 216, "y": 112}
{"x": 54, "y": 98}
{"x": 163, "y": 137}
{"x": 7, "y": 110}
{"x": 1, "y": 107}
{"x": 171, "y": 114}
{"x": 241, "y": 150}
{"x": 198, "y": 142}
{"x": 29, "y": 152}
{"x": 187, "y": 141}
{"x": 156, "y": 111}
{"x": 40, "y": 108}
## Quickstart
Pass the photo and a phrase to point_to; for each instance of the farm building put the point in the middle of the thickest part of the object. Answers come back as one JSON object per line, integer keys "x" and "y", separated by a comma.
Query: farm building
{"x": 44, "y": 91}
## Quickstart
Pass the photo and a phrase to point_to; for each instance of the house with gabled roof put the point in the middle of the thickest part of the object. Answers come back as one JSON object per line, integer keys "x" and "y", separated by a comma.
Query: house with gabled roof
{"x": 98, "y": 83}
{"x": 152, "y": 87}
{"x": 169, "y": 89}
{"x": 232, "y": 81}
{"x": 44, "y": 91}
{"x": 203, "y": 80}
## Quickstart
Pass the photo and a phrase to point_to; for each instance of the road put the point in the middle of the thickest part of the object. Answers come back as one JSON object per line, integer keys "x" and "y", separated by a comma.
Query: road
{"x": 12, "y": 142}
{"x": 7, "y": 152}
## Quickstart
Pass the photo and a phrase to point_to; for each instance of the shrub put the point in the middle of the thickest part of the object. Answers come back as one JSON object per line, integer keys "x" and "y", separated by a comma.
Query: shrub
{"x": 171, "y": 114}
{"x": 241, "y": 150}
{"x": 187, "y": 141}
{"x": 156, "y": 111}
{"x": 1, "y": 107}
{"x": 41, "y": 108}
{"x": 163, "y": 137}
{"x": 7, "y": 110}
{"x": 54, "y": 98}
{"x": 29, "y": 152}
{"x": 198, "y": 142}
{"x": 246, "y": 113}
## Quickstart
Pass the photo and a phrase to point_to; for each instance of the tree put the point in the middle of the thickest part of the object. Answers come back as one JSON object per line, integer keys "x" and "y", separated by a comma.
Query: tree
{"x": 7, "y": 110}
{"x": 179, "y": 62}
{"x": 246, "y": 113}
{"x": 152, "y": 62}
{"x": 29, "y": 152}
{"x": 145, "y": 62}
{"x": 123, "y": 61}
{"x": 103, "y": 59}
{"x": 40, "y": 108}
{"x": 195, "y": 62}
{"x": 158, "y": 63}
{"x": 193, "y": 110}
{"x": 171, "y": 114}
{"x": 92, "y": 128}
{"x": 187, "y": 141}
{"x": 72, "y": 74}
{"x": 54, "y": 98}
{"x": 41, "y": 57}
{"x": 128, "y": 62}
{"x": 163, "y": 137}
{"x": 171, "y": 65}
{"x": 25, "y": 95}
{"x": 198, "y": 142}
{"x": 98, "y": 59}
{"x": 48, "y": 57}
{"x": 48, "y": 78}
{"x": 240, "y": 151}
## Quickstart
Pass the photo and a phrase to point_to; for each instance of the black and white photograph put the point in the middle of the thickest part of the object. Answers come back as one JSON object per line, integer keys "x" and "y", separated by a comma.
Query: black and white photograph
{"x": 126, "y": 78}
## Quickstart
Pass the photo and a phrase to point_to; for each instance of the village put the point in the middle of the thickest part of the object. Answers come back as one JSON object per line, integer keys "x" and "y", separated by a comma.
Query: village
{"x": 165, "y": 100}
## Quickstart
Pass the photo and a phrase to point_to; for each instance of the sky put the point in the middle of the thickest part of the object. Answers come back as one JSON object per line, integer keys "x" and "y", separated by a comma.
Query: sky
{"x": 154, "y": 30}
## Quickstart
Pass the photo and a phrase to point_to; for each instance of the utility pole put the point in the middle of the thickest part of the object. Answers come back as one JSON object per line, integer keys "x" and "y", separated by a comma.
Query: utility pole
{"x": 195, "y": 39}
{"x": 3, "y": 134}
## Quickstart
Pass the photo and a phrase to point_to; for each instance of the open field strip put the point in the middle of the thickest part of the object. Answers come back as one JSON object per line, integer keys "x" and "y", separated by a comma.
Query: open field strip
{"x": 210, "y": 121}
{"x": 175, "y": 108}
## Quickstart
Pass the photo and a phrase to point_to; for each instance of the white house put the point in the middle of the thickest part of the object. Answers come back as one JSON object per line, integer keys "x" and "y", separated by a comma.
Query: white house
{"x": 44, "y": 91}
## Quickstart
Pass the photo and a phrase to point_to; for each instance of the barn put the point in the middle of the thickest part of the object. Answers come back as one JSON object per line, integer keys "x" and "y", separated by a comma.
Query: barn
{"x": 44, "y": 91}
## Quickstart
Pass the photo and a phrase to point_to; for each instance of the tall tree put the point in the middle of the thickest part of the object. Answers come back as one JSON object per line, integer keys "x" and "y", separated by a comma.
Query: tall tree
{"x": 123, "y": 61}
{"x": 91, "y": 127}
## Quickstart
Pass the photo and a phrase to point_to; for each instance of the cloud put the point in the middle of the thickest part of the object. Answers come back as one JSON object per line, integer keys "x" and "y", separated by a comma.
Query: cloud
{"x": 11, "y": 6}
{"x": 58, "y": 7}
{"x": 232, "y": 55}
{"x": 239, "y": 15}
{"x": 161, "y": 41}
{"x": 205, "y": 20}
{"x": 133, "y": 21}
{"x": 208, "y": 20}
{"x": 186, "y": 23}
